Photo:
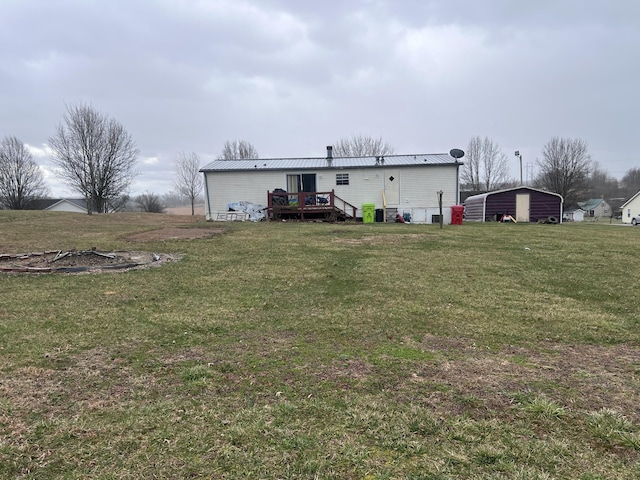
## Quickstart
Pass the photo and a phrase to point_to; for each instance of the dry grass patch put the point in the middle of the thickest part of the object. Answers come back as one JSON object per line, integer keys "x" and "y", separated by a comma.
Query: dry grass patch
{"x": 381, "y": 238}
{"x": 585, "y": 378}
{"x": 281, "y": 350}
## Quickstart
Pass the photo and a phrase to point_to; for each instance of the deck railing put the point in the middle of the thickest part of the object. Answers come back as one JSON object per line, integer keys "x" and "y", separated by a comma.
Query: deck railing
{"x": 299, "y": 203}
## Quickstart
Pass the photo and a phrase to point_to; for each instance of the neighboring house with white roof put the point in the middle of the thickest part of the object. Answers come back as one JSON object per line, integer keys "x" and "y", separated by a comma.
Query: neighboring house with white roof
{"x": 396, "y": 184}
{"x": 75, "y": 205}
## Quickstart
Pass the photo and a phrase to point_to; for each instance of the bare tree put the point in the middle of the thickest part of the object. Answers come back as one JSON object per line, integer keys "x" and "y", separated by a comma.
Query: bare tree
{"x": 630, "y": 182}
{"x": 173, "y": 198}
{"x": 95, "y": 156}
{"x": 238, "y": 150}
{"x": 188, "y": 177}
{"x": 119, "y": 204}
{"x": 361, "y": 146}
{"x": 486, "y": 167}
{"x": 150, "y": 202}
{"x": 601, "y": 185}
{"x": 470, "y": 173}
{"x": 565, "y": 167}
{"x": 21, "y": 180}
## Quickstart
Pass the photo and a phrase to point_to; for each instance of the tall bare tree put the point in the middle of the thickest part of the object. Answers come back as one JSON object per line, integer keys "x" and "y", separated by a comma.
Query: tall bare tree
{"x": 470, "y": 173}
{"x": 95, "y": 156}
{"x": 361, "y": 146}
{"x": 565, "y": 167}
{"x": 238, "y": 150}
{"x": 21, "y": 180}
{"x": 486, "y": 167}
{"x": 188, "y": 177}
{"x": 630, "y": 183}
{"x": 601, "y": 185}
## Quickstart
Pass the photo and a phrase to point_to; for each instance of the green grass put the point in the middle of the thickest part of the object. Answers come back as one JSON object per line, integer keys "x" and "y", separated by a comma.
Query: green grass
{"x": 289, "y": 350}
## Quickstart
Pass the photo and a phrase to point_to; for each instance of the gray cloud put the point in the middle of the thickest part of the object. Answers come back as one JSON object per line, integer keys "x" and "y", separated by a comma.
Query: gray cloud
{"x": 293, "y": 76}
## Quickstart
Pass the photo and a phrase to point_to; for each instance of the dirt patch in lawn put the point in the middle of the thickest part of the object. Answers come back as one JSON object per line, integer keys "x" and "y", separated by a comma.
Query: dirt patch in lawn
{"x": 96, "y": 261}
{"x": 175, "y": 234}
{"x": 75, "y": 262}
{"x": 384, "y": 239}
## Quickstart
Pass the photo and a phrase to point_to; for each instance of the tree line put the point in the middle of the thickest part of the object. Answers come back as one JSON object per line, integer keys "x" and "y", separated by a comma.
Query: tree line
{"x": 565, "y": 167}
{"x": 96, "y": 157}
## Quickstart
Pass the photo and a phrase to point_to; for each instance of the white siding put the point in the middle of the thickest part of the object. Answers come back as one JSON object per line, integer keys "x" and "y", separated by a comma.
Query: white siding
{"x": 365, "y": 186}
{"x": 66, "y": 207}
{"x": 228, "y": 187}
{"x": 578, "y": 216}
{"x": 631, "y": 210}
{"x": 418, "y": 186}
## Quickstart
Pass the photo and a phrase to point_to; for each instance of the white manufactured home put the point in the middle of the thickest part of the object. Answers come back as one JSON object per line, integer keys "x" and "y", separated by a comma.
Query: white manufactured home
{"x": 406, "y": 185}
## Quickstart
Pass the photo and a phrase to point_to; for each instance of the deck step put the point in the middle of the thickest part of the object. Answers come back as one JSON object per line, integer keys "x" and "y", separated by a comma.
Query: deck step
{"x": 232, "y": 216}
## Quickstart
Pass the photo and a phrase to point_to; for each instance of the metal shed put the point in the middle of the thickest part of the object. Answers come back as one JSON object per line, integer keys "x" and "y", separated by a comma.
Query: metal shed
{"x": 525, "y": 204}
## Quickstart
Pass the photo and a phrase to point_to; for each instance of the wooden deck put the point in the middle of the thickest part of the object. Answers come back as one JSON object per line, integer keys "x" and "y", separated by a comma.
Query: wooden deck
{"x": 325, "y": 206}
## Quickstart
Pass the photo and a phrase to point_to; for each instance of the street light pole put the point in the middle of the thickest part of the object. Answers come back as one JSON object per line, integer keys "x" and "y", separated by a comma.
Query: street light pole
{"x": 520, "y": 157}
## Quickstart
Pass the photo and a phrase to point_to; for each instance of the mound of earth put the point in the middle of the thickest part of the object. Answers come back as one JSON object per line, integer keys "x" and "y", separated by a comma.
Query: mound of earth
{"x": 83, "y": 261}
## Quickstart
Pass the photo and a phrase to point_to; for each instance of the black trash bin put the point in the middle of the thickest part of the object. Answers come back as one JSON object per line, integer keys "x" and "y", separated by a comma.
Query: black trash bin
{"x": 379, "y": 215}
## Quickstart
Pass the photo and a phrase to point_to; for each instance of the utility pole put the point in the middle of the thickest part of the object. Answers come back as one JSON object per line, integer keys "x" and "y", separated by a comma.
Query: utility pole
{"x": 440, "y": 205}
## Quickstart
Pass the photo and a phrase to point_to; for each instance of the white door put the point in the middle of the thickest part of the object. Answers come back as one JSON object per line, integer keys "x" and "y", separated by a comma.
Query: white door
{"x": 419, "y": 215}
{"x": 392, "y": 186}
{"x": 522, "y": 207}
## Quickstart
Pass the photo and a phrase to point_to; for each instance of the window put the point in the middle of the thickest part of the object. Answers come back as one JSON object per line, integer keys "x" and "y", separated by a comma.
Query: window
{"x": 342, "y": 179}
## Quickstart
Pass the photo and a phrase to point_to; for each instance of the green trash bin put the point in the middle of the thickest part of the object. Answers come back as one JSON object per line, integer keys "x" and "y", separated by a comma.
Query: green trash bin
{"x": 368, "y": 213}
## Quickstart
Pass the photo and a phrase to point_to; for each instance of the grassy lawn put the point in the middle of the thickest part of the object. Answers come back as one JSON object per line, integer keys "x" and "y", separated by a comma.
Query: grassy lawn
{"x": 287, "y": 350}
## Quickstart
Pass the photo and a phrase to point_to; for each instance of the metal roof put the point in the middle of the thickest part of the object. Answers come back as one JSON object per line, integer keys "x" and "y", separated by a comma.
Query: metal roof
{"x": 483, "y": 196}
{"x": 590, "y": 204}
{"x": 336, "y": 162}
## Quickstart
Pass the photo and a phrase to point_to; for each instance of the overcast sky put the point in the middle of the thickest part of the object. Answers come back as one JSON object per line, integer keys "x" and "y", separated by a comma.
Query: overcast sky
{"x": 292, "y": 76}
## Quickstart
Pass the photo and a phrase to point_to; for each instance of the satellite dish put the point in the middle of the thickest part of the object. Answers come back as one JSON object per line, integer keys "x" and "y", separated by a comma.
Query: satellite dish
{"x": 456, "y": 153}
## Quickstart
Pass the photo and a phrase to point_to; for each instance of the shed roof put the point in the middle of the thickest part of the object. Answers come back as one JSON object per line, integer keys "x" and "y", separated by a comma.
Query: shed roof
{"x": 483, "y": 196}
{"x": 336, "y": 162}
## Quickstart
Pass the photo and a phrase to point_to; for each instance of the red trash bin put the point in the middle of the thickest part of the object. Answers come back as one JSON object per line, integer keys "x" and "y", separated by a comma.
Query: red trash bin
{"x": 457, "y": 212}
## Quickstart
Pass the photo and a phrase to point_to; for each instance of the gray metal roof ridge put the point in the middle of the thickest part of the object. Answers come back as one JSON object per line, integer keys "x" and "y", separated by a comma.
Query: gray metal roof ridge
{"x": 334, "y": 162}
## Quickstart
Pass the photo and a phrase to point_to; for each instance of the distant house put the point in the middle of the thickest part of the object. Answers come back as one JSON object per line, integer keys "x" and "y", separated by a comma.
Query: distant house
{"x": 595, "y": 208}
{"x": 76, "y": 205}
{"x": 630, "y": 208}
{"x": 524, "y": 204}
{"x": 407, "y": 185}
{"x": 574, "y": 215}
